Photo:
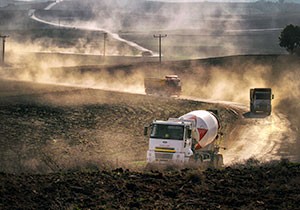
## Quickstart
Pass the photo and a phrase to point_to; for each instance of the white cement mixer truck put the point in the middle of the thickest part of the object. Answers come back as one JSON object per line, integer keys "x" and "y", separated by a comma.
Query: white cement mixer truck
{"x": 189, "y": 139}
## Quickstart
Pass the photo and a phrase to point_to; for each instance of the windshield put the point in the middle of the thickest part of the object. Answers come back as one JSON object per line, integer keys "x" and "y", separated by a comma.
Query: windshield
{"x": 162, "y": 131}
{"x": 174, "y": 82}
{"x": 262, "y": 95}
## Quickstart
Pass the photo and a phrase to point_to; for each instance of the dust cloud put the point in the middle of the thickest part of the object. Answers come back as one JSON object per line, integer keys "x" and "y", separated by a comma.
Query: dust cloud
{"x": 287, "y": 87}
{"x": 98, "y": 79}
{"x": 195, "y": 29}
{"x": 231, "y": 84}
{"x": 264, "y": 137}
{"x": 232, "y": 81}
{"x": 41, "y": 63}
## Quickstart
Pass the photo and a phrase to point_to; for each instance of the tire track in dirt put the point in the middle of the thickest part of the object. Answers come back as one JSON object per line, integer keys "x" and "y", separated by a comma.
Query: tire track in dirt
{"x": 262, "y": 137}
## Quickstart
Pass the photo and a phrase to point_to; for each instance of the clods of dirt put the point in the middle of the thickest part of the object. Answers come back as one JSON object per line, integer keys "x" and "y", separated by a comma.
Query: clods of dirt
{"x": 251, "y": 186}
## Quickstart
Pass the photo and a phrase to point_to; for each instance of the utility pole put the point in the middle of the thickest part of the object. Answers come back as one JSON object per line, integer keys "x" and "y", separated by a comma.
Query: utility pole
{"x": 104, "y": 43}
{"x": 160, "y": 36}
{"x": 3, "y": 46}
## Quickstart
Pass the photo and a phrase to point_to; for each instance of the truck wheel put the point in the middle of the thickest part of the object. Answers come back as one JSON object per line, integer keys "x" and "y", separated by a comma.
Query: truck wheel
{"x": 196, "y": 161}
{"x": 251, "y": 108}
{"x": 148, "y": 91}
{"x": 220, "y": 161}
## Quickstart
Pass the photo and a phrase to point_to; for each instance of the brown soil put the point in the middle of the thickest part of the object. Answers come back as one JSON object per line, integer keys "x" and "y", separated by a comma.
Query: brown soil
{"x": 271, "y": 186}
{"x": 80, "y": 148}
{"x": 47, "y": 128}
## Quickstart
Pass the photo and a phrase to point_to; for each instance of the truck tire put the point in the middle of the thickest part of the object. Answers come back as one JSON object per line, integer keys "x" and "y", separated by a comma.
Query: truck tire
{"x": 196, "y": 161}
{"x": 251, "y": 108}
{"x": 148, "y": 91}
{"x": 220, "y": 161}
{"x": 269, "y": 111}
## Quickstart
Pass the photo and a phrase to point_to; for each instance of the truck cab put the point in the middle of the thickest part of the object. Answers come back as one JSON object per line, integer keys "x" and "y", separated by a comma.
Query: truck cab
{"x": 170, "y": 142}
{"x": 260, "y": 100}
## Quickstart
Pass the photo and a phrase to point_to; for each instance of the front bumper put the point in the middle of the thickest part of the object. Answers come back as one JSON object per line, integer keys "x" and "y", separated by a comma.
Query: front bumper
{"x": 165, "y": 157}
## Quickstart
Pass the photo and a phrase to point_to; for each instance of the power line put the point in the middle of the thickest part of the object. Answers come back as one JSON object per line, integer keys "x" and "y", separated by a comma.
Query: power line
{"x": 159, "y": 36}
{"x": 104, "y": 43}
{"x": 3, "y": 46}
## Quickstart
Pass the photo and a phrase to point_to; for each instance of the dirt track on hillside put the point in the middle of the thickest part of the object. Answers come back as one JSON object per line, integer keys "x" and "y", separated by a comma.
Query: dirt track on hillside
{"x": 262, "y": 137}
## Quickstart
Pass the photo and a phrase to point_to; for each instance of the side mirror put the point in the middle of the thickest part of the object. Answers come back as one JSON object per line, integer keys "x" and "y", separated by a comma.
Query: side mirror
{"x": 272, "y": 96}
{"x": 189, "y": 133}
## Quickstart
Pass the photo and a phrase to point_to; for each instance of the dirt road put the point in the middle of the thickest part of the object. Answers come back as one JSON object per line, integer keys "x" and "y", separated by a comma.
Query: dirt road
{"x": 261, "y": 137}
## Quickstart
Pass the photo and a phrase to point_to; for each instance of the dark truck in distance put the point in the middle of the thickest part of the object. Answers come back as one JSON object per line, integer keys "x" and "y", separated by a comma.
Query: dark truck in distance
{"x": 168, "y": 86}
{"x": 260, "y": 100}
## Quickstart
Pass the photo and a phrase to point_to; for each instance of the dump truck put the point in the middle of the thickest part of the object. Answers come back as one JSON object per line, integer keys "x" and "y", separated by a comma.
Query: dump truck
{"x": 168, "y": 86}
{"x": 190, "y": 140}
{"x": 260, "y": 100}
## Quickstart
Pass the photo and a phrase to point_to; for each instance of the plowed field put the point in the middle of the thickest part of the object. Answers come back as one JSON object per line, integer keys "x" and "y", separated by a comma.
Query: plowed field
{"x": 83, "y": 148}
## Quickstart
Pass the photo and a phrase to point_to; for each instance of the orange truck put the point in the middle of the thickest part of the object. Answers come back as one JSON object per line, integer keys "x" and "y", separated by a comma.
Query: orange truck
{"x": 168, "y": 86}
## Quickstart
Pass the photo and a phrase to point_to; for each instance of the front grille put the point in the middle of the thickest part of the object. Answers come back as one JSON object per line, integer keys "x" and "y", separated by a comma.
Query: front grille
{"x": 163, "y": 156}
{"x": 262, "y": 107}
